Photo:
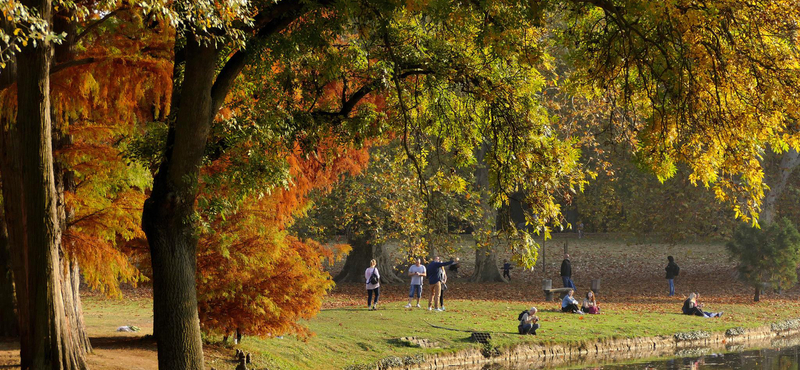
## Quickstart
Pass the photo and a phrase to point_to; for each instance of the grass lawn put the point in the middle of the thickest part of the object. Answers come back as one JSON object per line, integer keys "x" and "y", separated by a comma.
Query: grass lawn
{"x": 632, "y": 299}
{"x": 347, "y": 336}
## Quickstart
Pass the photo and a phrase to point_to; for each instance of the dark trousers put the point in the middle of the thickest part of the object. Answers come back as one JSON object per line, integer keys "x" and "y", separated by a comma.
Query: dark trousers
{"x": 377, "y": 292}
{"x": 696, "y": 311}
{"x": 507, "y": 274}
{"x": 571, "y": 308}
{"x": 528, "y": 328}
{"x": 568, "y": 282}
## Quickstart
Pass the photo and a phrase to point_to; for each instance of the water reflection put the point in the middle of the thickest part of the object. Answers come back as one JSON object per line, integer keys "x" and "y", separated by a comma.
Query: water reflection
{"x": 781, "y": 358}
{"x": 777, "y": 354}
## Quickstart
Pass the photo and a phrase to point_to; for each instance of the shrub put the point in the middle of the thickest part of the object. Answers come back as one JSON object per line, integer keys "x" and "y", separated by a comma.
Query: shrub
{"x": 768, "y": 255}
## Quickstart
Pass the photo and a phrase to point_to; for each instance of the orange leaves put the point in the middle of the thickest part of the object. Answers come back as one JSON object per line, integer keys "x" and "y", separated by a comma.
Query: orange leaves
{"x": 252, "y": 274}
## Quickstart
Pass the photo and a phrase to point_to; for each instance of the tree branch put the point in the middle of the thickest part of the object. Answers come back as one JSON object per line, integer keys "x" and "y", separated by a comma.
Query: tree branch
{"x": 272, "y": 21}
{"x": 12, "y": 79}
{"x": 96, "y": 23}
{"x": 350, "y": 104}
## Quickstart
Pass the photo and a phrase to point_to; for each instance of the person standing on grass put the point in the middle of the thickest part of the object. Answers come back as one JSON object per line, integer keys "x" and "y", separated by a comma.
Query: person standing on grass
{"x": 434, "y": 279}
{"x": 672, "y": 271}
{"x": 417, "y": 272}
{"x": 443, "y": 279}
{"x": 529, "y": 322}
{"x": 373, "y": 277}
{"x": 566, "y": 272}
{"x": 507, "y": 270}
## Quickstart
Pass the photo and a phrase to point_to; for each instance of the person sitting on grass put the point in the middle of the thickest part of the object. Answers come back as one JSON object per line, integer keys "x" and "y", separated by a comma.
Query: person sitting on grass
{"x": 529, "y": 322}
{"x": 691, "y": 307}
{"x": 590, "y": 304}
{"x": 569, "y": 303}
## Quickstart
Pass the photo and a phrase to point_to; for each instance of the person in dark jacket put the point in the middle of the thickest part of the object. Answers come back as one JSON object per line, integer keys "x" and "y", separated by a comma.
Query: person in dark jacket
{"x": 566, "y": 272}
{"x": 672, "y": 271}
{"x": 507, "y": 270}
{"x": 434, "y": 278}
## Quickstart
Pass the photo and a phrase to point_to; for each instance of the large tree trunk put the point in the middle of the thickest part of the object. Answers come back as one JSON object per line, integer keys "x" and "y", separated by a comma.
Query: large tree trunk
{"x": 9, "y": 323}
{"x": 358, "y": 261}
{"x": 52, "y": 344}
{"x": 486, "y": 269}
{"x": 168, "y": 214}
{"x": 70, "y": 283}
{"x": 789, "y": 161}
{"x": 11, "y": 170}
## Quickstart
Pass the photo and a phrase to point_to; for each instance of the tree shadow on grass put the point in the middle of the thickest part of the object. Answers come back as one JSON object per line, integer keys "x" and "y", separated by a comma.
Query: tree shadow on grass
{"x": 143, "y": 342}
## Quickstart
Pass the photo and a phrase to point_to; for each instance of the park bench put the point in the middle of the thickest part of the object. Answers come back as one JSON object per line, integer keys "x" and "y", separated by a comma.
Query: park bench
{"x": 548, "y": 293}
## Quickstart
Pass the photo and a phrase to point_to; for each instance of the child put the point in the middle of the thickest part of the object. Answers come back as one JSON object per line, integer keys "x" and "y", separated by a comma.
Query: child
{"x": 507, "y": 270}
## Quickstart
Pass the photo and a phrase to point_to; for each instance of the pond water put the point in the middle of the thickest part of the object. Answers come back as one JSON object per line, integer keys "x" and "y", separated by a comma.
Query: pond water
{"x": 778, "y": 354}
{"x": 774, "y": 358}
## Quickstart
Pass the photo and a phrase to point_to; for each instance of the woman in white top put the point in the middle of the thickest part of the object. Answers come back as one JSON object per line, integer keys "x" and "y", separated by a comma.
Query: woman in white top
{"x": 373, "y": 277}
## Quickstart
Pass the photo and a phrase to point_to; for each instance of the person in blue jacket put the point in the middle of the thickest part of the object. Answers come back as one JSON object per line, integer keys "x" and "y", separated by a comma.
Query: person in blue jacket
{"x": 435, "y": 281}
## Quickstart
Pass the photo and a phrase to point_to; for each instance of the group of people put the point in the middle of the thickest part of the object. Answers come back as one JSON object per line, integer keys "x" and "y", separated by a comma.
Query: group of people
{"x": 434, "y": 271}
{"x": 528, "y": 320}
{"x": 589, "y": 305}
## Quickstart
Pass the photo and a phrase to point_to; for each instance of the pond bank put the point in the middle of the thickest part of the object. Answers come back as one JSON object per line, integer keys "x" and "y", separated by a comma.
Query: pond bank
{"x": 624, "y": 349}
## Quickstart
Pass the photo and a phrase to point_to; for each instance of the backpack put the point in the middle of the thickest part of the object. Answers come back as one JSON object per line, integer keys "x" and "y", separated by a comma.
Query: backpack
{"x": 677, "y": 269}
{"x": 519, "y": 318}
{"x": 373, "y": 279}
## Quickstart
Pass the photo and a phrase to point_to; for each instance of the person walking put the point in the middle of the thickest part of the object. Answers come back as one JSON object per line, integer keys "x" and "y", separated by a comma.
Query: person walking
{"x": 507, "y": 270}
{"x": 566, "y": 272}
{"x": 373, "y": 277}
{"x": 417, "y": 272}
{"x": 434, "y": 279}
{"x": 672, "y": 271}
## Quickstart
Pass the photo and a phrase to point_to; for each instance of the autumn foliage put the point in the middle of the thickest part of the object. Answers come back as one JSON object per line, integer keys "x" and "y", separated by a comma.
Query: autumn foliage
{"x": 252, "y": 274}
{"x": 121, "y": 78}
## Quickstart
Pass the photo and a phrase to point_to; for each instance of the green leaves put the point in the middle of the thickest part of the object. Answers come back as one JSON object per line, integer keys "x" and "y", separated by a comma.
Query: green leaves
{"x": 767, "y": 255}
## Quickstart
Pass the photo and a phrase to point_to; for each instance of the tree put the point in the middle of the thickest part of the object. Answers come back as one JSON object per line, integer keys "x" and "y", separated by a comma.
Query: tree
{"x": 674, "y": 85}
{"x": 50, "y": 338}
{"x": 246, "y": 253}
{"x": 486, "y": 269}
{"x": 9, "y": 323}
{"x": 767, "y": 255}
{"x": 385, "y": 204}
{"x": 76, "y": 105}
